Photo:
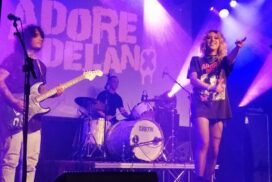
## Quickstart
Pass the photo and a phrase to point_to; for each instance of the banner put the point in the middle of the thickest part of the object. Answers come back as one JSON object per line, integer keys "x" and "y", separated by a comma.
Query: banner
{"x": 88, "y": 35}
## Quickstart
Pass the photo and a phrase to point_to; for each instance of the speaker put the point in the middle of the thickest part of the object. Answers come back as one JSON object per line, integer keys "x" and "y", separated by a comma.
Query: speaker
{"x": 256, "y": 147}
{"x": 108, "y": 177}
{"x": 58, "y": 137}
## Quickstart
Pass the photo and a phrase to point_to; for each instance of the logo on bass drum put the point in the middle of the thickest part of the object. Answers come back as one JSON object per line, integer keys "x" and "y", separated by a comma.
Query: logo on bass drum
{"x": 146, "y": 129}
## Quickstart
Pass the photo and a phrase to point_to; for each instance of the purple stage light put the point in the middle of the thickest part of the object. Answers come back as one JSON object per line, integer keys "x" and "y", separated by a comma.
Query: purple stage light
{"x": 261, "y": 83}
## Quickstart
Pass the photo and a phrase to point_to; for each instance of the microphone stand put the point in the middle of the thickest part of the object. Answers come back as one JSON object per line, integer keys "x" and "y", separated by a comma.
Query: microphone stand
{"x": 107, "y": 92}
{"x": 27, "y": 68}
{"x": 189, "y": 95}
{"x": 105, "y": 122}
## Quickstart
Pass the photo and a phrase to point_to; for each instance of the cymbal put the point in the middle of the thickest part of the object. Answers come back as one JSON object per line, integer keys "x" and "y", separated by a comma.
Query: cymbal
{"x": 85, "y": 101}
{"x": 156, "y": 99}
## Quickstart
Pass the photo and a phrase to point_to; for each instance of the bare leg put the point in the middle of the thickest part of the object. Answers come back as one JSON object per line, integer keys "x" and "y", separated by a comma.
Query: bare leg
{"x": 201, "y": 144}
{"x": 216, "y": 131}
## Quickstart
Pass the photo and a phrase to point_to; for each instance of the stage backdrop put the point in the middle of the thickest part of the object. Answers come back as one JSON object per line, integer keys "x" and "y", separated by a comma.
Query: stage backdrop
{"x": 109, "y": 36}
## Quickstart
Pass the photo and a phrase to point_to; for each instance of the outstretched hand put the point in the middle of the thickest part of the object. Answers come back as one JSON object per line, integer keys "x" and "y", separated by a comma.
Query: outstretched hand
{"x": 240, "y": 43}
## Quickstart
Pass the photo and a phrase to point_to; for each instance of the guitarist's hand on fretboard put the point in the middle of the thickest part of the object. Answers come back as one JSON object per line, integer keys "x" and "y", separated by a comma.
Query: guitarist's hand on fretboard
{"x": 59, "y": 90}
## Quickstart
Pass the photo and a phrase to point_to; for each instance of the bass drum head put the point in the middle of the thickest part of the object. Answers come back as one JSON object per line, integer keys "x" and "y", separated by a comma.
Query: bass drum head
{"x": 141, "y": 139}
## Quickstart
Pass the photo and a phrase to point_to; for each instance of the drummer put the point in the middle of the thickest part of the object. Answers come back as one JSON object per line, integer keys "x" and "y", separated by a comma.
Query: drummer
{"x": 109, "y": 101}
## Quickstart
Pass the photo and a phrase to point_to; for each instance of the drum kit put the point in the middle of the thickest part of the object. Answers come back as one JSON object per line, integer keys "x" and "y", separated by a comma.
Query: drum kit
{"x": 139, "y": 138}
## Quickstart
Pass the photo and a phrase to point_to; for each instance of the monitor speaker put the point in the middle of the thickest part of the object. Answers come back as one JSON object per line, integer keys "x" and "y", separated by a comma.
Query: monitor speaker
{"x": 256, "y": 147}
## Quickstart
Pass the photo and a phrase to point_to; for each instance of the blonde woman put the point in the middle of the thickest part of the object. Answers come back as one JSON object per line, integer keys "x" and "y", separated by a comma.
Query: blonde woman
{"x": 210, "y": 104}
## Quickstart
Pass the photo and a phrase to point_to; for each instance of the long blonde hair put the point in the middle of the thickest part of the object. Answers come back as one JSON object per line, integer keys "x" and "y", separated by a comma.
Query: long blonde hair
{"x": 222, "y": 49}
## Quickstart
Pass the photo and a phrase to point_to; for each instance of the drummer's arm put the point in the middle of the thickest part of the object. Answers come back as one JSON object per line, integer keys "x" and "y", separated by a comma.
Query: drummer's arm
{"x": 123, "y": 112}
{"x": 102, "y": 114}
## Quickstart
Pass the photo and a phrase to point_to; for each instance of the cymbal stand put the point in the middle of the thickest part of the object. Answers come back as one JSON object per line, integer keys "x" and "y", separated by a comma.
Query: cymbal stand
{"x": 105, "y": 125}
{"x": 173, "y": 137}
{"x": 189, "y": 97}
{"x": 170, "y": 157}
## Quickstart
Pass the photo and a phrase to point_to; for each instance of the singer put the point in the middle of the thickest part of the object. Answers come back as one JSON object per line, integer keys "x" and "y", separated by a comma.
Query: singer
{"x": 210, "y": 104}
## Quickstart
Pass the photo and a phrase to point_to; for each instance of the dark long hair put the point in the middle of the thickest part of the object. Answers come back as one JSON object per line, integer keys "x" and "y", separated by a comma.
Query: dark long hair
{"x": 28, "y": 33}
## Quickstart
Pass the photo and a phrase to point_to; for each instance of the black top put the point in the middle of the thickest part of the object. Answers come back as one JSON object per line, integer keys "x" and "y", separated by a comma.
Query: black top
{"x": 14, "y": 65}
{"x": 112, "y": 102}
{"x": 15, "y": 82}
{"x": 211, "y": 105}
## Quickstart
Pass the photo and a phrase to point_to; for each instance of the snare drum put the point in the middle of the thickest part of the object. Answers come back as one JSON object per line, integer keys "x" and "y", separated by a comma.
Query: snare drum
{"x": 142, "y": 139}
{"x": 95, "y": 131}
{"x": 143, "y": 110}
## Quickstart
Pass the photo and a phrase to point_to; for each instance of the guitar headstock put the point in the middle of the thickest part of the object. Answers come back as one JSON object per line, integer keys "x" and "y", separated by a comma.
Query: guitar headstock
{"x": 90, "y": 75}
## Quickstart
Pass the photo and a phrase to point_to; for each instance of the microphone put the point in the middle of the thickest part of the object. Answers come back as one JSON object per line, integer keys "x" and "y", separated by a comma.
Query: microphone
{"x": 13, "y": 17}
{"x": 164, "y": 73}
{"x": 144, "y": 96}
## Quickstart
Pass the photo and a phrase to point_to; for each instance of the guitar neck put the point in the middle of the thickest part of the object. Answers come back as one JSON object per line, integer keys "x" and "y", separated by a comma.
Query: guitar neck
{"x": 65, "y": 85}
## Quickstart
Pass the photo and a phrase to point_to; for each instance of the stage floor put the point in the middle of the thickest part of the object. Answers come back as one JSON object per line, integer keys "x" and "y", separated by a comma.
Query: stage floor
{"x": 50, "y": 170}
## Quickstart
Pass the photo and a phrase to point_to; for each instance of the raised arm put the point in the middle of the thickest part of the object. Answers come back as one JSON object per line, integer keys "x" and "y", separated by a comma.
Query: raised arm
{"x": 233, "y": 54}
{"x": 123, "y": 111}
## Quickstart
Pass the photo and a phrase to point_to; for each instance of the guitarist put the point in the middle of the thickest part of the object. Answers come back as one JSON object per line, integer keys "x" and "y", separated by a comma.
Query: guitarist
{"x": 12, "y": 105}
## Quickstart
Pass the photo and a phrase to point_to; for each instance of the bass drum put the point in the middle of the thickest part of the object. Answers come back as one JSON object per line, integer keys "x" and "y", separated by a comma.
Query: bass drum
{"x": 141, "y": 139}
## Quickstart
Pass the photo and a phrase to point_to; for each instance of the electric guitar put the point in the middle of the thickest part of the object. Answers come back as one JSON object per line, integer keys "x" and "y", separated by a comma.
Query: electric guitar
{"x": 36, "y": 98}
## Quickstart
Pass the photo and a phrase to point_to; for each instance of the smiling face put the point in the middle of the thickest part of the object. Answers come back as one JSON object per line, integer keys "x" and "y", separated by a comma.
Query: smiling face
{"x": 212, "y": 41}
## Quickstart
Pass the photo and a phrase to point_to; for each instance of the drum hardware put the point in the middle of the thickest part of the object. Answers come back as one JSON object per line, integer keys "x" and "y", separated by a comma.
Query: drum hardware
{"x": 91, "y": 139}
{"x": 93, "y": 128}
{"x": 155, "y": 141}
{"x": 188, "y": 92}
{"x": 163, "y": 101}
{"x": 145, "y": 110}
{"x": 129, "y": 139}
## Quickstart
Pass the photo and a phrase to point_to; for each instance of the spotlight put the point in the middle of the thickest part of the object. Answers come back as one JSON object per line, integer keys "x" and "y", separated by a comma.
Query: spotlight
{"x": 233, "y": 3}
{"x": 224, "y": 13}
{"x": 211, "y": 8}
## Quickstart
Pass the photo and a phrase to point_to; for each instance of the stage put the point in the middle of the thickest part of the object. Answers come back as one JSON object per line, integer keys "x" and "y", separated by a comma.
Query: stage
{"x": 166, "y": 172}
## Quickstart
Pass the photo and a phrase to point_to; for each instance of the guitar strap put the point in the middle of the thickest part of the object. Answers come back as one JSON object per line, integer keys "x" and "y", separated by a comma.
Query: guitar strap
{"x": 39, "y": 67}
